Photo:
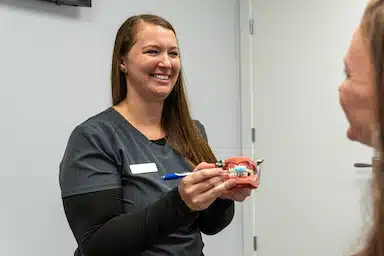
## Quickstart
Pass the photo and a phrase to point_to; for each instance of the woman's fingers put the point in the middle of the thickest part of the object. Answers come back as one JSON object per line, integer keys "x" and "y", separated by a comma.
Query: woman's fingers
{"x": 247, "y": 192}
{"x": 207, "y": 184}
{"x": 199, "y": 196}
{"x": 215, "y": 192}
{"x": 237, "y": 194}
{"x": 204, "y": 165}
{"x": 202, "y": 175}
{"x": 243, "y": 191}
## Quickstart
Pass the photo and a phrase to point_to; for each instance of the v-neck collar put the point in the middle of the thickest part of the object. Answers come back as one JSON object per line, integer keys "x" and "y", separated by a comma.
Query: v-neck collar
{"x": 123, "y": 123}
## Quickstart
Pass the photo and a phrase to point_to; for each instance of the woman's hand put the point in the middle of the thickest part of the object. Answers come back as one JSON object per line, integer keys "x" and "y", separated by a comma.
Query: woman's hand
{"x": 200, "y": 189}
{"x": 237, "y": 194}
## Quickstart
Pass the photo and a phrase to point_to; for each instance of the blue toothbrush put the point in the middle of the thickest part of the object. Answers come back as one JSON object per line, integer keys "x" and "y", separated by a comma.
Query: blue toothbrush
{"x": 175, "y": 176}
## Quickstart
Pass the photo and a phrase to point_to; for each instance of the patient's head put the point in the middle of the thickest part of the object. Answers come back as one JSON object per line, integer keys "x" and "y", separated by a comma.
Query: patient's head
{"x": 362, "y": 98}
{"x": 358, "y": 92}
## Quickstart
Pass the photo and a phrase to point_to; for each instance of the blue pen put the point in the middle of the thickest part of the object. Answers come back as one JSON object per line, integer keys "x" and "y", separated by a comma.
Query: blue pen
{"x": 174, "y": 176}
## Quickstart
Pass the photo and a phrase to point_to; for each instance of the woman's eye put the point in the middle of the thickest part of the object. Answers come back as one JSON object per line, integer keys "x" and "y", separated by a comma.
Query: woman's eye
{"x": 152, "y": 52}
{"x": 155, "y": 52}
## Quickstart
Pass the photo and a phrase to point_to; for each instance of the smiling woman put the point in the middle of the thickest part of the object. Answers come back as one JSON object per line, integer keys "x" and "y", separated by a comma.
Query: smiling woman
{"x": 361, "y": 96}
{"x": 114, "y": 197}
{"x": 152, "y": 65}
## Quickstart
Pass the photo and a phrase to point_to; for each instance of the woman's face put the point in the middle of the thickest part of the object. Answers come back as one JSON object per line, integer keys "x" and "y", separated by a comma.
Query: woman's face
{"x": 153, "y": 64}
{"x": 357, "y": 92}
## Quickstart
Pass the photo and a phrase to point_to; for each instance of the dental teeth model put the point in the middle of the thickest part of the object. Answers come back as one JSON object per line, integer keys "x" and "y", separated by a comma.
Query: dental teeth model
{"x": 244, "y": 170}
{"x": 240, "y": 171}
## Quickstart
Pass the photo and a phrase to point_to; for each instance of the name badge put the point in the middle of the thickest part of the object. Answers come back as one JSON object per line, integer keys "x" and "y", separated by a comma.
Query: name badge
{"x": 143, "y": 168}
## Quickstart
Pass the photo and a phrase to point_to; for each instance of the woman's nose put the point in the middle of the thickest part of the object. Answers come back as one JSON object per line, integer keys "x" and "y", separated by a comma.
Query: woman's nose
{"x": 165, "y": 61}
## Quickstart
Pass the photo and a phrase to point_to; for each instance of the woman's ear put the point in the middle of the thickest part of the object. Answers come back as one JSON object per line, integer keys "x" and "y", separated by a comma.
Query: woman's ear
{"x": 123, "y": 68}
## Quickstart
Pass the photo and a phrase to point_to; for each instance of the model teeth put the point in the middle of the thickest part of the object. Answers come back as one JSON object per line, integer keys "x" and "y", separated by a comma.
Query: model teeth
{"x": 239, "y": 171}
{"x": 162, "y": 77}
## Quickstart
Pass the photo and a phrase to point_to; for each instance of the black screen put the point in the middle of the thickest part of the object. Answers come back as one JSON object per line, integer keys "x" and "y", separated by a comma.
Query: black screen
{"x": 85, "y": 3}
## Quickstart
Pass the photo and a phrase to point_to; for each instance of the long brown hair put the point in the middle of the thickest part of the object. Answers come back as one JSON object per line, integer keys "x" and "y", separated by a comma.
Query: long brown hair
{"x": 183, "y": 135}
{"x": 372, "y": 28}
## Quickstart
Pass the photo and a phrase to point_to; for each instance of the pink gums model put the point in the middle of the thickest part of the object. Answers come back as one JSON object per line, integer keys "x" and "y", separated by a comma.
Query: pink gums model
{"x": 244, "y": 170}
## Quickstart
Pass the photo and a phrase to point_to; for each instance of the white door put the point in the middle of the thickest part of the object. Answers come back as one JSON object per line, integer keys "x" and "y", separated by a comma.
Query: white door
{"x": 311, "y": 200}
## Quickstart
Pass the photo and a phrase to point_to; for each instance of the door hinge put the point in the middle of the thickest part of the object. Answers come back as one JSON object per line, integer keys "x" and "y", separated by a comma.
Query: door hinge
{"x": 251, "y": 26}
{"x": 255, "y": 243}
{"x": 253, "y": 134}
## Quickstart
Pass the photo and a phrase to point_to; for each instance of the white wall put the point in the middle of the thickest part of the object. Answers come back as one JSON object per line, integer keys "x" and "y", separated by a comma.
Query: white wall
{"x": 55, "y": 64}
{"x": 311, "y": 201}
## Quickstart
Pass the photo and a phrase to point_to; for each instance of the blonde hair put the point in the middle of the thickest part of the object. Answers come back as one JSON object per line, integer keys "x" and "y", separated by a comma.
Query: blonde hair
{"x": 372, "y": 28}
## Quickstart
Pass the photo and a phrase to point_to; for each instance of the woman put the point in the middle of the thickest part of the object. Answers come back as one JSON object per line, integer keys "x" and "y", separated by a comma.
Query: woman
{"x": 362, "y": 98}
{"x": 114, "y": 198}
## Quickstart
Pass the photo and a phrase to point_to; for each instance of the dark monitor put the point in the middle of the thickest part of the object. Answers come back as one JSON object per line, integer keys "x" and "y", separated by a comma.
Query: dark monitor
{"x": 79, "y": 3}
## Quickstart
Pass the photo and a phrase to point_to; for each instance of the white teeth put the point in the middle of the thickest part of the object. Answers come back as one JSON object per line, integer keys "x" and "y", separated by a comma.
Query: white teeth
{"x": 162, "y": 77}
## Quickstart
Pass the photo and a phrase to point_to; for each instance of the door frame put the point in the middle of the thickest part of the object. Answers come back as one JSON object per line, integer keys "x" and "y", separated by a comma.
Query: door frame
{"x": 247, "y": 116}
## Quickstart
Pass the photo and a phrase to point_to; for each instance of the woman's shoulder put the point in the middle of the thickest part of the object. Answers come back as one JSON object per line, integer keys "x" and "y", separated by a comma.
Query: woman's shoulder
{"x": 102, "y": 124}
{"x": 198, "y": 124}
{"x": 201, "y": 128}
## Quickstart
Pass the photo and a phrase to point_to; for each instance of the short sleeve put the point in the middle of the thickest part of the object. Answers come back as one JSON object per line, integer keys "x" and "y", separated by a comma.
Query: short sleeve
{"x": 88, "y": 164}
{"x": 202, "y": 129}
